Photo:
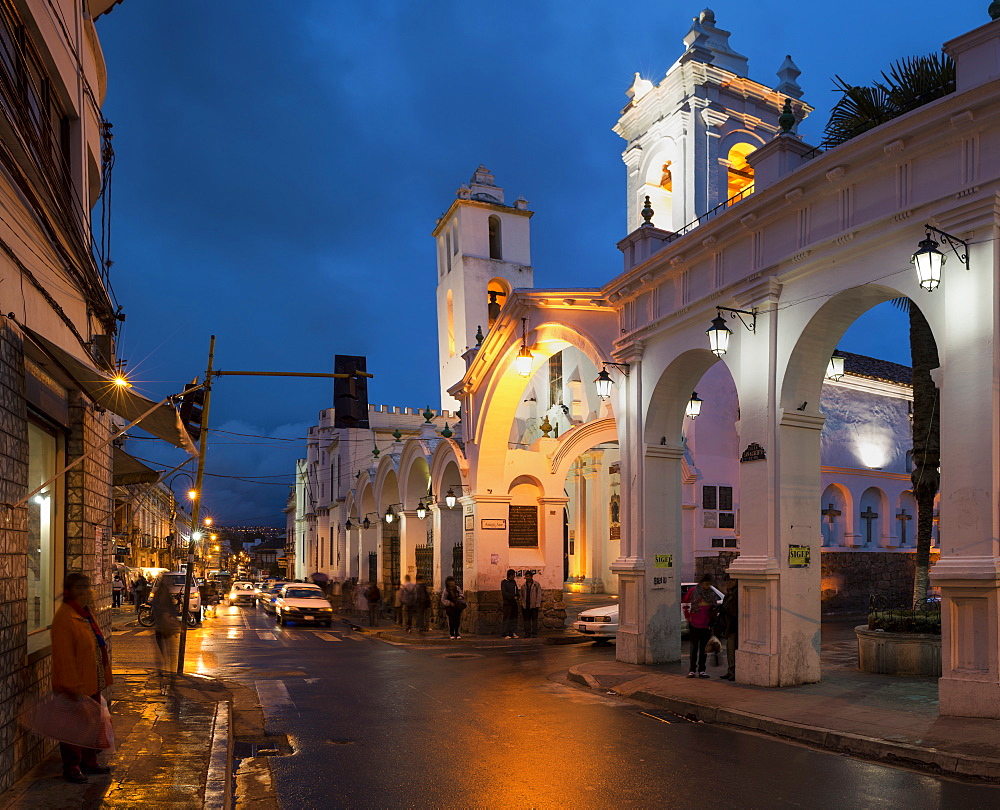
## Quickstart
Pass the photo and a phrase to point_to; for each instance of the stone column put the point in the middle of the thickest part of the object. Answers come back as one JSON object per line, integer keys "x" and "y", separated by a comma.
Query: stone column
{"x": 968, "y": 572}
{"x": 412, "y": 532}
{"x": 595, "y": 509}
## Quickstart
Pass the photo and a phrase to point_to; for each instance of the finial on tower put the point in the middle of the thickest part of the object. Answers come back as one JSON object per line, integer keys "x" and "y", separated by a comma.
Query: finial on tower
{"x": 787, "y": 75}
{"x": 479, "y": 335}
{"x": 647, "y": 214}
{"x": 787, "y": 118}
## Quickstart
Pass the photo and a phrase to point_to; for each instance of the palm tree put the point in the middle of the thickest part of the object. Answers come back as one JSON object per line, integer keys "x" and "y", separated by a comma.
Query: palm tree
{"x": 910, "y": 83}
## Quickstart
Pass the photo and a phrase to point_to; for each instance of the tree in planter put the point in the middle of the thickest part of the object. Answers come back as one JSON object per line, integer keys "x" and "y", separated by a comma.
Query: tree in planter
{"x": 908, "y": 84}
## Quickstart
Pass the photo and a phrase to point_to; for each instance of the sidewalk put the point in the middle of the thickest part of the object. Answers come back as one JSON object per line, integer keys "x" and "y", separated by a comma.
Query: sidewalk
{"x": 174, "y": 749}
{"x": 395, "y": 634}
{"x": 875, "y": 717}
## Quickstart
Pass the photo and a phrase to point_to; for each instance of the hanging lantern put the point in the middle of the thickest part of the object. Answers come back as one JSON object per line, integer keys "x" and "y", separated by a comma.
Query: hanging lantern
{"x": 449, "y": 498}
{"x": 604, "y": 383}
{"x": 389, "y": 514}
{"x": 835, "y": 368}
{"x": 928, "y": 261}
{"x": 523, "y": 360}
{"x": 693, "y": 406}
{"x": 421, "y": 510}
{"x": 366, "y": 522}
{"x": 348, "y": 525}
{"x": 718, "y": 335}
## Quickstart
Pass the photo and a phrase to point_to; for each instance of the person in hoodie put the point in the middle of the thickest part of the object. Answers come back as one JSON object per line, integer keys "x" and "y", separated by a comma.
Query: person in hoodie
{"x": 702, "y": 605}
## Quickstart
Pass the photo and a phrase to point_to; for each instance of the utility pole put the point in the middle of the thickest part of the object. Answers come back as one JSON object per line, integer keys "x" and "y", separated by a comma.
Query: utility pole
{"x": 196, "y": 508}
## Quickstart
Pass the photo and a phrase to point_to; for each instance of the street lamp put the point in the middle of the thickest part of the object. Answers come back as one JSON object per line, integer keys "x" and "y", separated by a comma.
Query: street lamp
{"x": 389, "y": 514}
{"x": 421, "y": 510}
{"x": 928, "y": 260}
{"x": 835, "y": 368}
{"x": 719, "y": 334}
{"x": 523, "y": 360}
{"x": 604, "y": 382}
{"x": 693, "y": 406}
{"x": 449, "y": 498}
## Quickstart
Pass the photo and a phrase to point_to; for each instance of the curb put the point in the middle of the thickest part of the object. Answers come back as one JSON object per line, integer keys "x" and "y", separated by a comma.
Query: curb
{"x": 219, "y": 781}
{"x": 857, "y": 745}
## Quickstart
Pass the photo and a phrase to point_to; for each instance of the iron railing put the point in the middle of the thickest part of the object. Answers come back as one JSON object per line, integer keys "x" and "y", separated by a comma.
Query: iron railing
{"x": 901, "y": 615}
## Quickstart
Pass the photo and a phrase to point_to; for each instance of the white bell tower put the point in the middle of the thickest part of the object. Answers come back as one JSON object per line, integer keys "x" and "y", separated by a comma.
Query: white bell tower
{"x": 688, "y": 136}
{"x": 483, "y": 254}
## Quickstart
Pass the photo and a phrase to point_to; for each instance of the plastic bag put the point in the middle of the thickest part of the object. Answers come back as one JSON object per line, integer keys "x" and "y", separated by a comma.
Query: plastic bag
{"x": 713, "y": 645}
{"x": 77, "y": 721}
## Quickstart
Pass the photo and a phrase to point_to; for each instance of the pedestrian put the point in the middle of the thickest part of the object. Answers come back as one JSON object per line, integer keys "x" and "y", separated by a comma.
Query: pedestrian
{"x": 729, "y": 615}
{"x": 140, "y": 592}
{"x": 347, "y": 595}
{"x": 453, "y": 602}
{"x": 421, "y": 603}
{"x": 531, "y": 601}
{"x": 117, "y": 591}
{"x": 508, "y": 592}
{"x": 702, "y": 605}
{"x": 373, "y": 596}
{"x": 407, "y": 598}
{"x": 81, "y": 667}
{"x": 165, "y": 621}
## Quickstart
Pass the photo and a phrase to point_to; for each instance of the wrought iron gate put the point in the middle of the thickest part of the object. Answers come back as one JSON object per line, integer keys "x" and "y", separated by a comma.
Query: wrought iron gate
{"x": 390, "y": 559}
{"x": 425, "y": 563}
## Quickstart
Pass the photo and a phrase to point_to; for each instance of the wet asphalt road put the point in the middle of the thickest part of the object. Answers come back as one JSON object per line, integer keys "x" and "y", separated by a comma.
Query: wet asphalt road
{"x": 378, "y": 725}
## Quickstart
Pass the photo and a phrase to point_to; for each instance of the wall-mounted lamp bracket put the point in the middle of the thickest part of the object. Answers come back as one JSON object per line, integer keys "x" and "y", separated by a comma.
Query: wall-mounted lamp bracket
{"x": 953, "y": 242}
{"x": 739, "y": 313}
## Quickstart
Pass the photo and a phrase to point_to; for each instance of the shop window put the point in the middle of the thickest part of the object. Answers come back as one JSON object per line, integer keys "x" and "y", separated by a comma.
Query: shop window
{"x": 42, "y": 461}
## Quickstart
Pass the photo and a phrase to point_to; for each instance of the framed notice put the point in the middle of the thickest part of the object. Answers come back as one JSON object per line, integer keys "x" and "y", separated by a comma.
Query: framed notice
{"x": 523, "y": 526}
{"x": 470, "y": 523}
{"x": 492, "y": 523}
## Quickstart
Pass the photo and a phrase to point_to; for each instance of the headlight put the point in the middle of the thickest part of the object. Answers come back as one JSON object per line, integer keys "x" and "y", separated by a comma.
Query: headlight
{"x": 603, "y": 618}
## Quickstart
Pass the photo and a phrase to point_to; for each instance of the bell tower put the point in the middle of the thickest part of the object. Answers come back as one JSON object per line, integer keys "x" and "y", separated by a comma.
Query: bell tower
{"x": 688, "y": 136}
{"x": 483, "y": 254}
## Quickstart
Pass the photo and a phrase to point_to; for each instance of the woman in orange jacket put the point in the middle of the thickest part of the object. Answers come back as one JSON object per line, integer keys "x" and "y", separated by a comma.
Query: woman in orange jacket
{"x": 80, "y": 666}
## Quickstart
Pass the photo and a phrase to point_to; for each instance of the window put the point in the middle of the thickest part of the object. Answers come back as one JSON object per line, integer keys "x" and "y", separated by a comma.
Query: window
{"x": 708, "y": 498}
{"x": 555, "y": 379}
{"x": 727, "y": 520}
{"x": 451, "y": 325}
{"x": 740, "y": 174}
{"x": 726, "y": 498}
{"x": 42, "y": 450}
{"x": 495, "y": 239}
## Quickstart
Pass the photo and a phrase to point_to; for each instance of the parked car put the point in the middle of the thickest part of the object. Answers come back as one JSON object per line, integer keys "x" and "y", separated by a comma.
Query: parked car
{"x": 175, "y": 581}
{"x": 302, "y": 603}
{"x": 602, "y": 622}
{"x": 242, "y": 592}
{"x": 268, "y": 596}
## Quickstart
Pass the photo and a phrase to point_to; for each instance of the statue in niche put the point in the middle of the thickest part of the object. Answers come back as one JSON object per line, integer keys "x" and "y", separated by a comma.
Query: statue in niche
{"x": 666, "y": 179}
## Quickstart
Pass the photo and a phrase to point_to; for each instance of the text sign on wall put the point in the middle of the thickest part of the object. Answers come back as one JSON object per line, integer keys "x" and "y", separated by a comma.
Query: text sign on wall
{"x": 470, "y": 549}
{"x": 754, "y": 452}
{"x": 798, "y": 556}
{"x": 492, "y": 523}
{"x": 659, "y": 583}
{"x": 523, "y": 522}
{"x": 663, "y": 561}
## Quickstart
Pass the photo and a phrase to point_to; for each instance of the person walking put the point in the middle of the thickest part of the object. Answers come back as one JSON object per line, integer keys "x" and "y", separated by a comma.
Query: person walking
{"x": 117, "y": 591}
{"x": 531, "y": 601}
{"x": 421, "y": 603}
{"x": 453, "y": 602}
{"x": 407, "y": 596}
{"x": 165, "y": 622}
{"x": 508, "y": 592}
{"x": 729, "y": 614}
{"x": 373, "y": 596}
{"x": 347, "y": 596}
{"x": 702, "y": 606}
{"x": 140, "y": 592}
{"x": 81, "y": 667}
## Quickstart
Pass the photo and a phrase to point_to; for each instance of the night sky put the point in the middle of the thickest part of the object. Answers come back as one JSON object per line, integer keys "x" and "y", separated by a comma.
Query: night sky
{"x": 280, "y": 166}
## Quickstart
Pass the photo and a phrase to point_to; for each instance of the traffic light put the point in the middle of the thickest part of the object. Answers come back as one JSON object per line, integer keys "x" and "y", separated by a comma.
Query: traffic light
{"x": 192, "y": 404}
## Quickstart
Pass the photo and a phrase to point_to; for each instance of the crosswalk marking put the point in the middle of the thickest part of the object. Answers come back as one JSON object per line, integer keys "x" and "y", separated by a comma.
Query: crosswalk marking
{"x": 353, "y": 638}
{"x": 328, "y": 637}
{"x": 145, "y": 632}
{"x": 266, "y": 635}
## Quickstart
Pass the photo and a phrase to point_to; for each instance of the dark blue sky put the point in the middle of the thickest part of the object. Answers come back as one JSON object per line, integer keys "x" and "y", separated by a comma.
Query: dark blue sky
{"x": 279, "y": 168}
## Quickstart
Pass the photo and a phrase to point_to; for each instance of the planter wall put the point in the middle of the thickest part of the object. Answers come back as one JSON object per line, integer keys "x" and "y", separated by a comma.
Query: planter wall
{"x": 908, "y": 654}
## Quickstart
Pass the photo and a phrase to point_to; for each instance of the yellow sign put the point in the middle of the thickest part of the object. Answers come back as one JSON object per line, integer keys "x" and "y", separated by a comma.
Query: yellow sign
{"x": 798, "y": 556}
{"x": 663, "y": 561}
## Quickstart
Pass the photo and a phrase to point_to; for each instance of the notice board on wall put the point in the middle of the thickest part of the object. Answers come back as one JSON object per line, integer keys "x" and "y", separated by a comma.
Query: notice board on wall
{"x": 522, "y": 526}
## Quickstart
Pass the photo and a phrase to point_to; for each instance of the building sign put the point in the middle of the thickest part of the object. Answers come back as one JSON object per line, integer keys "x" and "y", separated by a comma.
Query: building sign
{"x": 492, "y": 523}
{"x": 663, "y": 561}
{"x": 470, "y": 549}
{"x": 798, "y": 556}
{"x": 659, "y": 583}
{"x": 754, "y": 452}
{"x": 523, "y": 532}
{"x": 470, "y": 523}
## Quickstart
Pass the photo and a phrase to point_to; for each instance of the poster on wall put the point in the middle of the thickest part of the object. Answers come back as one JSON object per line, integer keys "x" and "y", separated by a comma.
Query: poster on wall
{"x": 523, "y": 523}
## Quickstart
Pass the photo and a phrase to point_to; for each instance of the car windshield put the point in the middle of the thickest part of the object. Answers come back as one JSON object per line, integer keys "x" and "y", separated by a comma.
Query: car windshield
{"x": 302, "y": 593}
{"x": 174, "y": 579}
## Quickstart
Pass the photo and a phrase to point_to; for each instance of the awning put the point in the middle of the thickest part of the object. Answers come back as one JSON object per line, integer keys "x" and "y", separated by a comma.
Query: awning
{"x": 128, "y": 470}
{"x": 164, "y": 422}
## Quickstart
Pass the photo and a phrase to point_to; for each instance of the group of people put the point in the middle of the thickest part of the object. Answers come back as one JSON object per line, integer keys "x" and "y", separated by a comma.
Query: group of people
{"x": 525, "y": 600}
{"x": 707, "y": 619}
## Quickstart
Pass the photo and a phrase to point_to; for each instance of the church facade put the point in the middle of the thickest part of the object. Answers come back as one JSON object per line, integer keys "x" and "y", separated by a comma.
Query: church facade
{"x": 575, "y": 455}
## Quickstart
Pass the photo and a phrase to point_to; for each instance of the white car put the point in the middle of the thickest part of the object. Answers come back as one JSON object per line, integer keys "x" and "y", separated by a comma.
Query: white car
{"x": 302, "y": 603}
{"x": 242, "y": 592}
{"x": 175, "y": 581}
{"x": 602, "y": 622}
